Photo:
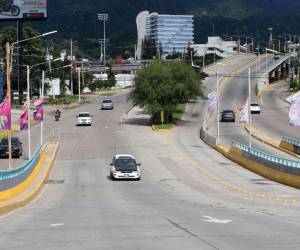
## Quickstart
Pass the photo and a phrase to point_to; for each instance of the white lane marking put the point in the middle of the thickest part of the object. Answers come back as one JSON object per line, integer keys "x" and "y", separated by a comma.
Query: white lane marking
{"x": 215, "y": 220}
{"x": 57, "y": 224}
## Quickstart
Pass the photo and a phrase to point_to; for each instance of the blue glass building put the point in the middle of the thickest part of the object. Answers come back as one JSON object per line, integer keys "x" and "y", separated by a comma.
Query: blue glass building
{"x": 171, "y": 33}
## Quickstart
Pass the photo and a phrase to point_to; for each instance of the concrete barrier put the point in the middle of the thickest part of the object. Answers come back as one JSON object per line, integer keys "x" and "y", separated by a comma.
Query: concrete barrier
{"x": 279, "y": 172}
{"x": 208, "y": 139}
{"x": 39, "y": 176}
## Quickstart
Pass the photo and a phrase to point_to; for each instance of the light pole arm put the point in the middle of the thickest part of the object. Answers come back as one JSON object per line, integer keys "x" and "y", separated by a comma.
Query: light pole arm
{"x": 27, "y": 39}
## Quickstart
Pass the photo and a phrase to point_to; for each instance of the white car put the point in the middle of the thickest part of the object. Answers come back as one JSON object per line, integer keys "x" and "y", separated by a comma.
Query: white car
{"x": 84, "y": 118}
{"x": 254, "y": 108}
{"x": 124, "y": 166}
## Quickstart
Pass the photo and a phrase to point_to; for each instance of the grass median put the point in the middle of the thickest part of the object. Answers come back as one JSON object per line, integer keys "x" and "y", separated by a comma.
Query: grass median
{"x": 177, "y": 115}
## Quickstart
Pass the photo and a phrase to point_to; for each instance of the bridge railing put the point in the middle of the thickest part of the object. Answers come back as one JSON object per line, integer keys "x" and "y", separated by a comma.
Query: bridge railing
{"x": 7, "y": 174}
{"x": 267, "y": 157}
{"x": 291, "y": 141}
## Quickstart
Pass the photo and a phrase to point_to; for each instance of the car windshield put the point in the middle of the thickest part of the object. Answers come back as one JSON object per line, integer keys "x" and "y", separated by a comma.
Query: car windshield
{"x": 14, "y": 141}
{"x": 254, "y": 104}
{"x": 228, "y": 111}
{"x": 84, "y": 115}
{"x": 125, "y": 164}
{"x": 106, "y": 101}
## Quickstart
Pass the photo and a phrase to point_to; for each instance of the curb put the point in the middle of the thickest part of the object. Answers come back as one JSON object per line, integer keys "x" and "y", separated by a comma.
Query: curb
{"x": 18, "y": 204}
{"x": 162, "y": 129}
{"x": 267, "y": 140}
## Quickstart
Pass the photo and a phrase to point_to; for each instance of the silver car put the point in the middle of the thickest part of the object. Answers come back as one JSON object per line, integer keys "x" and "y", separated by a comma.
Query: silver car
{"x": 107, "y": 104}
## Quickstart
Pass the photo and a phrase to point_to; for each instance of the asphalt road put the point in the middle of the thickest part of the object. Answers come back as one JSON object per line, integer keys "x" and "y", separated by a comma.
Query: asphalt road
{"x": 274, "y": 116}
{"x": 233, "y": 95}
{"x": 177, "y": 204}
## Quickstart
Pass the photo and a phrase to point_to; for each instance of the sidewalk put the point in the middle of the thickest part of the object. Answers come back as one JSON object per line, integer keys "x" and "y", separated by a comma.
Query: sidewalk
{"x": 35, "y": 181}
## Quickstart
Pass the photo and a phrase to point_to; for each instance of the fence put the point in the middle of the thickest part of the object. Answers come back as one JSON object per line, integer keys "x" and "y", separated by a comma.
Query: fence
{"x": 274, "y": 162}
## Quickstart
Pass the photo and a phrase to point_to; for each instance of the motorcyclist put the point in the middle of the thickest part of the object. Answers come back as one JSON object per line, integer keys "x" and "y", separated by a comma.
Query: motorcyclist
{"x": 57, "y": 114}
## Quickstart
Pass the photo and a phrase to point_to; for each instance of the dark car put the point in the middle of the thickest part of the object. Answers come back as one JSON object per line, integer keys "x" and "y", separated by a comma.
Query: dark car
{"x": 227, "y": 116}
{"x": 16, "y": 147}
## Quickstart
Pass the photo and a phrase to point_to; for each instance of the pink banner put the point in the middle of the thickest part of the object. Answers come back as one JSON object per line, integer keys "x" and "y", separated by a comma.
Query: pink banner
{"x": 5, "y": 113}
{"x": 38, "y": 115}
{"x": 24, "y": 120}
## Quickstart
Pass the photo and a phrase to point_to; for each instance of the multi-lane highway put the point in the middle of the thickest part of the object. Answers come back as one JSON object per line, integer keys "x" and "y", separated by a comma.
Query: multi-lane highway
{"x": 185, "y": 199}
{"x": 233, "y": 94}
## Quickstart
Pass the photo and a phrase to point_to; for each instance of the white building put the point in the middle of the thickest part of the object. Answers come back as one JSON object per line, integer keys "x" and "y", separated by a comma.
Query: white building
{"x": 143, "y": 27}
{"x": 170, "y": 33}
{"x": 215, "y": 45}
{"x": 124, "y": 80}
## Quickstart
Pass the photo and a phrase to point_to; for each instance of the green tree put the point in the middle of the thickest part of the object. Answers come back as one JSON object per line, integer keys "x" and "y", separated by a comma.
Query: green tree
{"x": 160, "y": 87}
{"x": 111, "y": 79}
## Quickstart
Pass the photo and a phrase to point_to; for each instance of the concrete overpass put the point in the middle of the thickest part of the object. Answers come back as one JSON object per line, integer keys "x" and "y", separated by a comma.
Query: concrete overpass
{"x": 128, "y": 67}
{"x": 276, "y": 71}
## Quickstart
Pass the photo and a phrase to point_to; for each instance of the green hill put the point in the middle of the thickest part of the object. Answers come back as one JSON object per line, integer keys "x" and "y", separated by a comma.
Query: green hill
{"x": 78, "y": 19}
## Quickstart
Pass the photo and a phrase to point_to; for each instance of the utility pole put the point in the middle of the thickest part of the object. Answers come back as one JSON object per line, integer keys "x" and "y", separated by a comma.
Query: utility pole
{"x": 82, "y": 74}
{"x": 104, "y": 18}
{"x": 79, "y": 97}
{"x": 71, "y": 72}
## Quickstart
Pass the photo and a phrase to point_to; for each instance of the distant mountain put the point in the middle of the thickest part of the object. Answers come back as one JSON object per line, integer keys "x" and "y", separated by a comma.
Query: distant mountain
{"x": 78, "y": 18}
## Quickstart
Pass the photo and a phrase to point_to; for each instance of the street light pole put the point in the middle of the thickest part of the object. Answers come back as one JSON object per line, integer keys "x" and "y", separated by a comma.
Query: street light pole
{"x": 8, "y": 83}
{"x": 218, "y": 109}
{"x": 28, "y": 111}
{"x": 79, "y": 97}
{"x": 9, "y": 53}
{"x": 71, "y": 71}
{"x": 42, "y": 97}
{"x": 104, "y": 18}
{"x": 249, "y": 105}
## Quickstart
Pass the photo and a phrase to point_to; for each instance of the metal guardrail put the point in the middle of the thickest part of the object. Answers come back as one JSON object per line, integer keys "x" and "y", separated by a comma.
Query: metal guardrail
{"x": 265, "y": 156}
{"x": 291, "y": 141}
{"x": 7, "y": 174}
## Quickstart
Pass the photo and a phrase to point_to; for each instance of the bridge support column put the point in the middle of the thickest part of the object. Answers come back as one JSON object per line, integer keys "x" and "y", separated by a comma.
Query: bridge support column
{"x": 276, "y": 75}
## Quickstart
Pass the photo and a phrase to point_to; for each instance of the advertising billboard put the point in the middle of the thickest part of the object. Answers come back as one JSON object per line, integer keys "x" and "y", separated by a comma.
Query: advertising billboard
{"x": 23, "y": 9}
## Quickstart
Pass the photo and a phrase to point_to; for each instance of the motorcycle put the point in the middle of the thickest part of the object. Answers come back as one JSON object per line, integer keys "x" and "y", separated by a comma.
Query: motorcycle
{"x": 57, "y": 116}
{"x": 8, "y": 6}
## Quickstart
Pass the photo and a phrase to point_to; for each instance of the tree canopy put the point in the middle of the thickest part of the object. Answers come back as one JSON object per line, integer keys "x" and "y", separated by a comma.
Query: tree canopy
{"x": 160, "y": 87}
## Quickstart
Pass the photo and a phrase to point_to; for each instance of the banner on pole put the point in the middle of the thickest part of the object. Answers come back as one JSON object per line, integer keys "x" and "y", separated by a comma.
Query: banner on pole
{"x": 244, "y": 118}
{"x": 5, "y": 114}
{"x": 24, "y": 121}
{"x": 212, "y": 102}
{"x": 294, "y": 112}
{"x": 38, "y": 115}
